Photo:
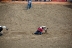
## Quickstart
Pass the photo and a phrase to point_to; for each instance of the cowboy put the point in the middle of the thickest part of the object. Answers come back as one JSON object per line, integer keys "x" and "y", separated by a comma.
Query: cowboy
{"x": 41, "y": 29}
{"x": 29, "y": 4}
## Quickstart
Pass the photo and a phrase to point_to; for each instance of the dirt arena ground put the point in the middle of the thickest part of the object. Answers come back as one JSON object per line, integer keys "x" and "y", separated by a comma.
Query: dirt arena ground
{"x": 22, "y": 23}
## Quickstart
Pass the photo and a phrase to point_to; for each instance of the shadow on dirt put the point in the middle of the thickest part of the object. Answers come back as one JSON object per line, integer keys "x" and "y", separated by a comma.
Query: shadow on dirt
{"x": 1, "y": 34}
{"x": 69, "y": 6}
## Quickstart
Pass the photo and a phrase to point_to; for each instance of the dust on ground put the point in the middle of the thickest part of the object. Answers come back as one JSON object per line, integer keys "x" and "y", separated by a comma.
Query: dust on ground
{"x": 22, "y": 23}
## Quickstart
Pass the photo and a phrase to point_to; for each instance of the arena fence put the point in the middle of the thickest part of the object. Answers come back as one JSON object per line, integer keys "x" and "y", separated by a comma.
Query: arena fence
{"x": 41, "y": 0}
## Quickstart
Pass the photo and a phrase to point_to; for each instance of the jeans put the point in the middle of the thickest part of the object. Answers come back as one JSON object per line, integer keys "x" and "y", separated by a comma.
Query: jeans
{"x": 29, "y": 6}
{"x": 38, "y": 33}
